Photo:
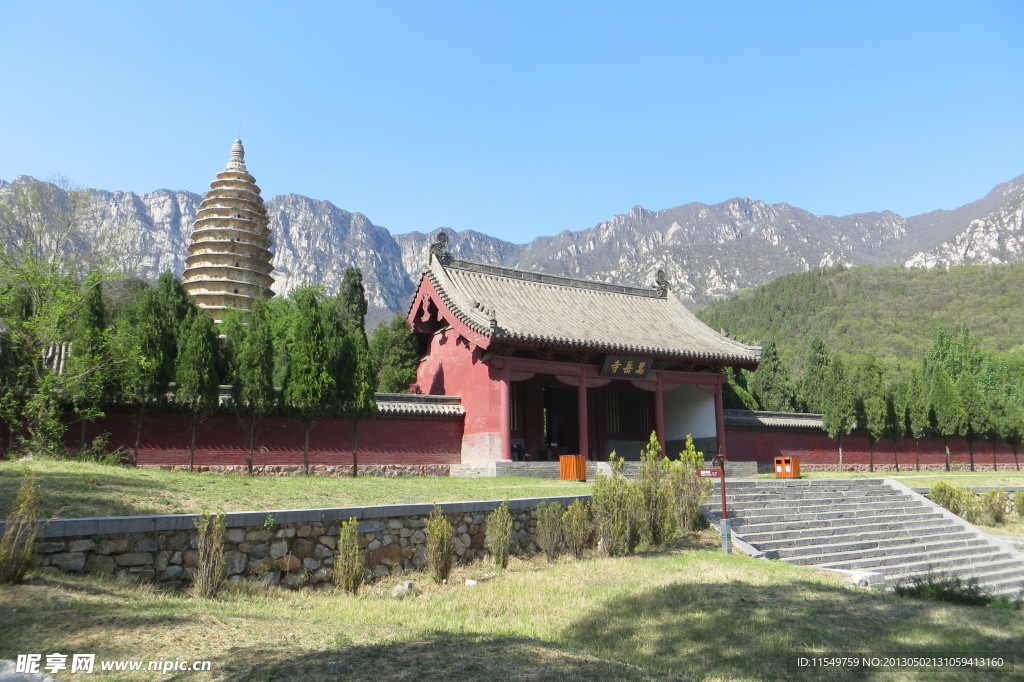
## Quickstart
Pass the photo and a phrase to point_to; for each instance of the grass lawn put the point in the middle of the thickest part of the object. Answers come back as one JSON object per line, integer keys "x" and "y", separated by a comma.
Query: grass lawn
{"x": 688, "y": 613}
{"x": 80, "y": 489}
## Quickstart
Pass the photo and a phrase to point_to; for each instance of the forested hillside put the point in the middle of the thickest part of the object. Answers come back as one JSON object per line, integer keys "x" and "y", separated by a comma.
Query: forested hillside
{"x": 890, "y": 312}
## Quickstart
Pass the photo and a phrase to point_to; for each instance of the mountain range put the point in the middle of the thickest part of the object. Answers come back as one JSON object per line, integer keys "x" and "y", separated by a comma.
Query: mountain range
{"x": 709, "y": 252}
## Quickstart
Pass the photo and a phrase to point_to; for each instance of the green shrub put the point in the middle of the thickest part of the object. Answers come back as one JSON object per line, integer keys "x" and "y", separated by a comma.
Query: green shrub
{"x": 499, "y": 534}
{"x": 688, "y": 491}
{"x": 549, "y": 529}
{"x": 657, "y": 523}
{"x": 98, "y": 450}
{"x": 1018, "y": 503}
{"x": 991, "y": 507}
{"x": 209, "y": 570}
{"x": 610, "y": 508}
{"x": 20, "y": 532}
{"x": 576, "y": 528}
{"x": 440, "y": 549}
{"x": 348, "y": 565}
{"x": 960, "y": 501}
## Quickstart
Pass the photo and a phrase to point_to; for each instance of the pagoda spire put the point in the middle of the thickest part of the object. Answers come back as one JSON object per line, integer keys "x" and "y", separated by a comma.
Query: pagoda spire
{"x": 229, "y": 255}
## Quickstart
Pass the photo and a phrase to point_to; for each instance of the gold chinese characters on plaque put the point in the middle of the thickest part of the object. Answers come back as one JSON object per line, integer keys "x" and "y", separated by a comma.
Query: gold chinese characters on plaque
{"x": 626, "y": 367}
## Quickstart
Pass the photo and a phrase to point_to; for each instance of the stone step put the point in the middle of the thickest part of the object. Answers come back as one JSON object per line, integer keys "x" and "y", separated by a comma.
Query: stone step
{"x": 910, "y": 562}
{"x": 864, "y": 516}
{"x": 801, "y": 538}
{"x": 761, "y": 508}
{"x": 826, "y": 545}
{"x": 998, "y": 578}
{"x": 878, "y": 523}
{"x": 887, "y": 528}
{"x": 840, "y": 554}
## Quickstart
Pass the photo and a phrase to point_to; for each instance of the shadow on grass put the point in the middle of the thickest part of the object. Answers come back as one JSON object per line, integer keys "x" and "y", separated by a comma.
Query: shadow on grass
{"x": 439, "y": 656}
{"x": 76, "y": 495}
{"x": 736, "y": 630}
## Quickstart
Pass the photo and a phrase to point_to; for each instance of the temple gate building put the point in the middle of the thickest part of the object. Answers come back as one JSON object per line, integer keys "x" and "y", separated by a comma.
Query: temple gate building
{"x": 549, "y": 365}
{"x": 229, "y": 255}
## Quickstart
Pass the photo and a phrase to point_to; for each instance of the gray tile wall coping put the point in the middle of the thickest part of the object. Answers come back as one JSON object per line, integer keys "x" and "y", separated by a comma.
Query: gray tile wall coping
{"x": 116, "y": 525}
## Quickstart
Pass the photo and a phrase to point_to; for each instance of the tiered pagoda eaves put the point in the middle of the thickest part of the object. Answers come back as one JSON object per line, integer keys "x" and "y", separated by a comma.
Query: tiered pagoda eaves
{"x": 229, "y": 256}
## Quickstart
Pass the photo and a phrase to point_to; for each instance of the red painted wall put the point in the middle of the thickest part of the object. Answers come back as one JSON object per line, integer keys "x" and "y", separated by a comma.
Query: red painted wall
{"x": 451, "y": 368}
{"x": 817, "y": 450}
{"x": 220, "y": 440}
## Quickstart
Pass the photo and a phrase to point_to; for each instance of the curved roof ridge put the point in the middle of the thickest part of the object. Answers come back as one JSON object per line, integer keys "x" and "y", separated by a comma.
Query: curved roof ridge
{"x": 553, "y": 280}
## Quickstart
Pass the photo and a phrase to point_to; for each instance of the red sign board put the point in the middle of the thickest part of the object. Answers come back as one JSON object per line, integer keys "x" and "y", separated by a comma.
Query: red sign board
{"x": 709, "y": 473}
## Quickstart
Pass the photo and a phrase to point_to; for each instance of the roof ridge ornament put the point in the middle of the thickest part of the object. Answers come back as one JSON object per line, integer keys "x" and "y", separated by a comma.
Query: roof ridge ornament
{"x": 661, "y": 284}
{"x": 439, "y": 249}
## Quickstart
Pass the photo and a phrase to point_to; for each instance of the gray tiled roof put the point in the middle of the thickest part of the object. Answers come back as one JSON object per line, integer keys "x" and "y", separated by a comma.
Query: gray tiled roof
{"x": 417, "y": 405}
{"x": 772, "y": 420}
{"x": 529, "y": 307}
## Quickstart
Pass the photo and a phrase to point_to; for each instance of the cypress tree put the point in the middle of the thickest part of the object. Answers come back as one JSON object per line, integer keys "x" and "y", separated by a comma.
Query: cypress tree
{"x": 139, "y": 357}
{"x": 393, "y": 355}
{"x": 946, "y": 412}
{"x": 838, "y": 415}
{"x": 196, "y": 376}
{"x": 310, "y": 386}
{"x": 772, "y": 385}
{"x": 254, "y": 374}
{"x": 815, "y": 386}
{"x": 978, "y": 418}
{"x": 918, "y": 417}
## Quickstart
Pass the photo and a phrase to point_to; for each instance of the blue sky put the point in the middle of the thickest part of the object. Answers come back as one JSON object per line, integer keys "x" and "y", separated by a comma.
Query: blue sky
{"x": 526, "y": 118}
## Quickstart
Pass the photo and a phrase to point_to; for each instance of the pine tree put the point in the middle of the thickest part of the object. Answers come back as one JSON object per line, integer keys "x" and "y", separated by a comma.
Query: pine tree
{"x": 946, "y": 412}
{"x": 196, "y": 375}
{"x": 772, "y": 385}
{"x": 310, "y": 386}
{"x": 253, "y": 377}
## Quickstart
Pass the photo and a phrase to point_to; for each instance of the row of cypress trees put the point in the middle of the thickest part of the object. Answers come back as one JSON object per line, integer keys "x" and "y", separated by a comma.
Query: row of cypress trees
{"x": 307, "y": 355}
{"x": 957, "y": 391}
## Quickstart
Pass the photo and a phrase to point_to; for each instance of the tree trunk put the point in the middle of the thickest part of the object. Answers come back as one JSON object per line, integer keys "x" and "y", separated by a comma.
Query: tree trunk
{"x": 871, "y": 455}
{"x": 192, "y": 443}
{"x": 81, "y": 438}
{"x": 1015, "y": 460}
{"x": 840, "y": 439}
{"x": 139, "y": 416}
{"x": 970, "y": 450}
{"x": 355, "y": 448}
{"x": 946, "y": 443}
{"x": 252, "y": 441}
{"x": 917, "y": 454}
{"x": 895, "y": 456}
{"x": 305, "y": 447}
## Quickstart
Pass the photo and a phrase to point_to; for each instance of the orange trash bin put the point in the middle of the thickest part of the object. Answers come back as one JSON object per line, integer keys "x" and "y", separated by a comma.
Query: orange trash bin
{"x": 787, "y": 467}
{"x": 572, "y": 467}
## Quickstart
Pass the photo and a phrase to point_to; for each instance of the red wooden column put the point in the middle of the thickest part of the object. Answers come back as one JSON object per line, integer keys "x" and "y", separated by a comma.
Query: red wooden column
{"x": 581, "y": 408}
{"x": 505, "y": 410}
{"x": 720, "y": 416}
{"x": 659, "y": 412}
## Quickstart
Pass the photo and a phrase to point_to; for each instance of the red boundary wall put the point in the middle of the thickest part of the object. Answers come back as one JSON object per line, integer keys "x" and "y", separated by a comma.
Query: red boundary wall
{"x": 221, "y": 440}
{"x": 817, "y": 451}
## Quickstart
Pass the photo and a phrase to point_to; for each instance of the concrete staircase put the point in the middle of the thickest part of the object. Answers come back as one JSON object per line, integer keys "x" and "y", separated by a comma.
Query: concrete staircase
{"x": 878, "y": 532}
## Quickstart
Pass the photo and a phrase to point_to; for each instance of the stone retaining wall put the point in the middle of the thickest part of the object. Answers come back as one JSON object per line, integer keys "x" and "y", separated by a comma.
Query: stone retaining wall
{"x": 292, "y": 547}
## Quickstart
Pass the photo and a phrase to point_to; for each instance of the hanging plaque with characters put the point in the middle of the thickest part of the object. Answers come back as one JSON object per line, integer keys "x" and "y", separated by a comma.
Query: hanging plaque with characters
{"x": 625, "y": 367}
